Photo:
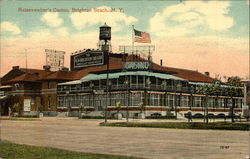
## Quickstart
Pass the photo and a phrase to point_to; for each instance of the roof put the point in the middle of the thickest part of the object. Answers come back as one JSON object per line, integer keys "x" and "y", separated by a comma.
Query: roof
{"x": 60, "y": 75}
{"x": 190, "y": 75}
{"x": 16, "y": 72}
{"x": 27, "y": 77}
{"x": 115, "y": 63}
{"x": 71, "y": 82}
{"x": 90, "y": 76}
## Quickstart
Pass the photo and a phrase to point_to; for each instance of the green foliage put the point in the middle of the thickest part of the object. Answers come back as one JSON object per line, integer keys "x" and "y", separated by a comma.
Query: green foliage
{"x": 82, "y": 107}
{"x": 40, "y": 108}
{"x": 15, "y": 108}
{"x": 233, "y": 83}
{"x": 118, "y": 106}
{"x": 16, "y": 151}
{"x": 212, "y": 89}
{"x": 217, "y": 126}
{"x": 141, "y": 106}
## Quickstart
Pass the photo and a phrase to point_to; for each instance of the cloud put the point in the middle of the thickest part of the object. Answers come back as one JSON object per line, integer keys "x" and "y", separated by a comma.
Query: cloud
{"x": 190, "y": 17}
{"x": 10, "y": 27}
{"x": 63, "y": 31}
{"x": 114, "y": 19}
{"x": 52, "y": 19}
{"x": 217, "y": 55}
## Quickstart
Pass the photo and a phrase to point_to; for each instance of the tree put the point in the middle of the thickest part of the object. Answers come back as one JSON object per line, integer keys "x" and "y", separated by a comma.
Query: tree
{"x": 234, "y": 83}
{"x": 118, "y": 106}
{"x": 212, "y": 89}
{"x": 216, "y": 89}
{"x": 141, "y": 107}
{"x": 204, "y": 90}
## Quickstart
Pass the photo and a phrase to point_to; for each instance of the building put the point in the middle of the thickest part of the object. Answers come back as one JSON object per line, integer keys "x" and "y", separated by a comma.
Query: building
{"x": 134, "y": 81}
{"x": 31, "y": 89}
{"x": 100, "y": 80}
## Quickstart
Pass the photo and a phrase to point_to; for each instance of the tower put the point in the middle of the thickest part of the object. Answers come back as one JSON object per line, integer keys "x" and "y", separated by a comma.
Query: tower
{"x": 105, "y": 38}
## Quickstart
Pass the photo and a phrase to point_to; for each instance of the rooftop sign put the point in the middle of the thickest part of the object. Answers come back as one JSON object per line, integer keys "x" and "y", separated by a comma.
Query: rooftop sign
{"x": 89, "y": 58}
{"x": 136, "y": 65}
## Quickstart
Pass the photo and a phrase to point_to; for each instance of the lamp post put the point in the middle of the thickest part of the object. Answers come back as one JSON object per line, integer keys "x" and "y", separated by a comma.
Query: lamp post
{"x": 67, "y": 92}
{"x": 91, "y": 85}
{"x": 148, "y": 82}
{"x": 177, "y": 87}
{"x": 126, "y": 82}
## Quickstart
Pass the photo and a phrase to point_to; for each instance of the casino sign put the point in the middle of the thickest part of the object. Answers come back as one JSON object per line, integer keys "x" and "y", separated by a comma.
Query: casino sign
{"x": 136, "y": 65}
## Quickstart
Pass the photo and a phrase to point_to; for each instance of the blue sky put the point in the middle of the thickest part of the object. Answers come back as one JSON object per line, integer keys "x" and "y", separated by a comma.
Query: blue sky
{"x": 208, "y": 31}
{"x": 141, "y": 10}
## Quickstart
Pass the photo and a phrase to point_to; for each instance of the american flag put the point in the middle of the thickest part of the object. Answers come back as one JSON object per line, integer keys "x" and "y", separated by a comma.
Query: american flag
{"x": 142, "y": 37}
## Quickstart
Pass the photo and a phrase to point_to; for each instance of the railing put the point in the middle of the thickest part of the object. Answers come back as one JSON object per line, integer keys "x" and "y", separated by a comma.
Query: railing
{"x": 115, "y": 87}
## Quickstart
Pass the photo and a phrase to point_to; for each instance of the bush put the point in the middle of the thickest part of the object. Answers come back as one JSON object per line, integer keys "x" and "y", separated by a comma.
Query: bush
{"x": 216, "y": 126}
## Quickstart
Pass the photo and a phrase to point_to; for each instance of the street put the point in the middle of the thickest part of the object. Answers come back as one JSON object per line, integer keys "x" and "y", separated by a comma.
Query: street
{"x": 156, "y": 143}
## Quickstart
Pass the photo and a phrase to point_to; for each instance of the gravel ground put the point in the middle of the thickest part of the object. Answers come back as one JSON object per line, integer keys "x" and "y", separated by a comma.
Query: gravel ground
{"x": 156, "y": 143}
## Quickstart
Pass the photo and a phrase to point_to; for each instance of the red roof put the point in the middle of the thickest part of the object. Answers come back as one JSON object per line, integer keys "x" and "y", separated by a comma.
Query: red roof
{"x": 27, "y": 77}
{"x": 60, "y": 75}
{"x": 115, "y": 63}
{"x": 190, "y": 75}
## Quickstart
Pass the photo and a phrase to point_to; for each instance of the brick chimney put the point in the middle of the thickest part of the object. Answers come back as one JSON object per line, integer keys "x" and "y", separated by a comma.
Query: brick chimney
{"x": 15, "y": 67}
{"x": 207, "y": 74}
{"x": 46, "y": 67}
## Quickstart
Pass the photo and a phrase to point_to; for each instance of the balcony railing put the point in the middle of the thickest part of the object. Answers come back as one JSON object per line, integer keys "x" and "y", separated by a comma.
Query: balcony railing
{"x": 115, "y": 87}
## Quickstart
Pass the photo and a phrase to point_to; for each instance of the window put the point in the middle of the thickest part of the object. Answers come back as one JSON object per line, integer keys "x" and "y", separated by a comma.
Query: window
{"x": 184, "y": 101}
{"x": 49, "y": 102}
{"x": 170, "y": 100}
{"x": 60, "y": 101}
{"x": 238, "y": 103}
{"x": 197, "y": 101}
{"x": 210, "y": 102}
{"x": 49, "y": 85}
{"x": 136, "y": 99}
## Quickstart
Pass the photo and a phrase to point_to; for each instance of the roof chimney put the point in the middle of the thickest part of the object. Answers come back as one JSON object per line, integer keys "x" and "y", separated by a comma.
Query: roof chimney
{"x": 207, "y": 74}
{"x": 15, "y": 67}
{"x": 64, "y": 69}
{"x": 161, "y": 62}
{"x": 46, "y": 67}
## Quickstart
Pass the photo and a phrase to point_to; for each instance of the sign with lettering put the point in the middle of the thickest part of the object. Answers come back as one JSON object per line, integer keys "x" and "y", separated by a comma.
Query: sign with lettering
{"x": 89, "y": 58}
{"x": 26, "y": 105}
{"x": 55, "y": 59}
{"x": 136, "y": 65}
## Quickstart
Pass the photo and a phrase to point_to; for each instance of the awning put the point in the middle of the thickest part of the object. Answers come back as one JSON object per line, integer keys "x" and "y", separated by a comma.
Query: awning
{"x": 2, "y": 97}
{"x": 207, "y": 84}
{"x": 7, "y": 86}
{"x": 91, "y": 77}
{"x": 71, "y": 82}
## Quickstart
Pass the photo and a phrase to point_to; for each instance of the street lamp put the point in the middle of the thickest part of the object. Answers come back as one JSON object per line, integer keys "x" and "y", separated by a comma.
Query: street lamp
{"x": 126, "y": 82}
{"x": 68, "y": 106}
{"x": 148, "y": 82}
{"x": 91, "y": 85}
{"x": 177, "y": 87}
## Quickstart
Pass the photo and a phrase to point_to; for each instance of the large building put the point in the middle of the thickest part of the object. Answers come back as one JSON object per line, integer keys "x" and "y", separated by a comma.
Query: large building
{"x": 99, "y": 80}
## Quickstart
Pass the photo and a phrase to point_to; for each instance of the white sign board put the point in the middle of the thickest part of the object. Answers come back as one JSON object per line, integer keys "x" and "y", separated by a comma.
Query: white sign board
{"x": 26, "y": 105}
{"x": 55, "y": 59}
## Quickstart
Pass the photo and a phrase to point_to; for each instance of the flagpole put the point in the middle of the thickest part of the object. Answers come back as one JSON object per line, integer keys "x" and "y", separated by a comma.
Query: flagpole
{"x": 133, "y": 38}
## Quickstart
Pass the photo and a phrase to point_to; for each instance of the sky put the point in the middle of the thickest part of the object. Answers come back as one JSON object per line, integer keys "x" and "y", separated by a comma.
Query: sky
{"x": 203, "y": 35}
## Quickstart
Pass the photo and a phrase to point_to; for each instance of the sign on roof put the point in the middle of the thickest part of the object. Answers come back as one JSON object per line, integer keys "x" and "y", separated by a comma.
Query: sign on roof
{"x": 136, "y": 65}
{"x": 55, "y": 59}
{"x": 89, "y": 58}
